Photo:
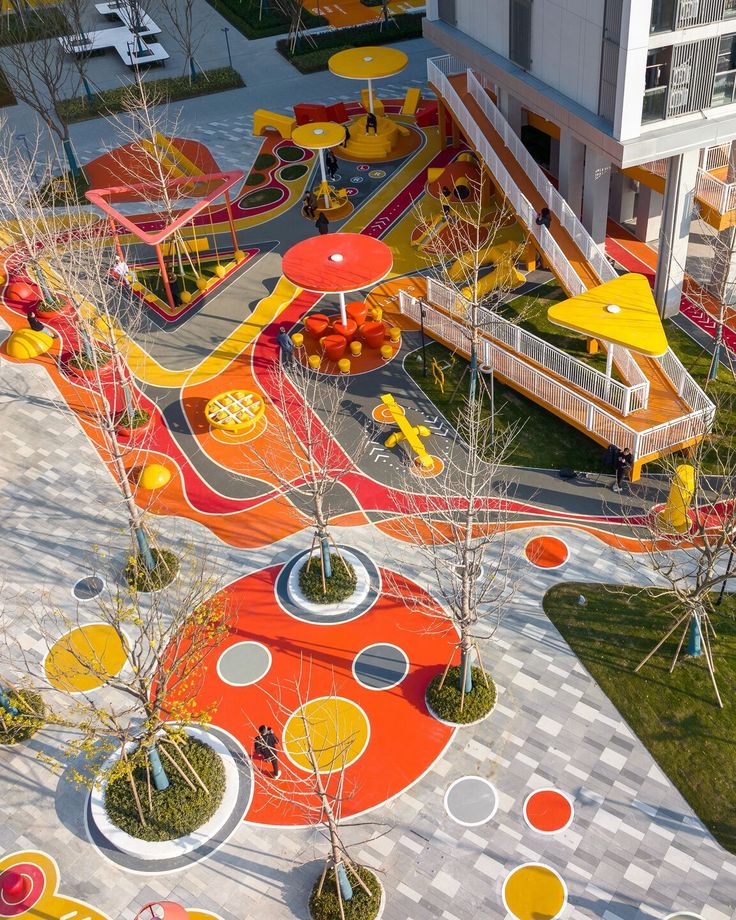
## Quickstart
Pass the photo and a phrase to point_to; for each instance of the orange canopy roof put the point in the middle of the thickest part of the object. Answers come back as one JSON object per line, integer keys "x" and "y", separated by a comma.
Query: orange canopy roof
{"x": 337, "y": 263}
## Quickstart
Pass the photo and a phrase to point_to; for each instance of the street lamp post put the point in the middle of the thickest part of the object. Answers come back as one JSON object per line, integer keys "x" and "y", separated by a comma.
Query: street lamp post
{"x": 227, "y": 44}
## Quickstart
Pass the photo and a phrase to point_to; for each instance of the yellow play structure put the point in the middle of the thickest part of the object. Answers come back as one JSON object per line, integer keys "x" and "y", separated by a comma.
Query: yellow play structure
{"x": 264, "y": 120}
{"x": 674, "y": 515}
{"x": 412, "y": 434}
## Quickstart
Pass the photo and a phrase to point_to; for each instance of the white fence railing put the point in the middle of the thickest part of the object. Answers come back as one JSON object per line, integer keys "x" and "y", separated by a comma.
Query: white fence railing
{"x": 570, "y": 405}
{"x": 623, "y": 398}
{"x": 555, "y": 202}
{"x": 437, "y": 70}
{"x": 687, "y": 389}
{"x": 719, "y": 195}
{"x": 717, "y": 157}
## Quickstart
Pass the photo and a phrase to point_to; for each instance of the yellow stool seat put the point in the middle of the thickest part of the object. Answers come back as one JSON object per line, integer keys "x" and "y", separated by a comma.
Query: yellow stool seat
{"x": 314, "y": 362}
{"x": 356, "y": 348}
{"x": 154, "y": 476}
{"x": 25, "y": 343}
{"x": 394, "y": 334}
{"x": 387, "y": 352}
{"x": 298, "y": 339}
{"x": 344, "y": 365}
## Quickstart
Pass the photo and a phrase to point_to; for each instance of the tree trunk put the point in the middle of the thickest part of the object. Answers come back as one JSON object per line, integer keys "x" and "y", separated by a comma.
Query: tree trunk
{"x": 160, "y": 779}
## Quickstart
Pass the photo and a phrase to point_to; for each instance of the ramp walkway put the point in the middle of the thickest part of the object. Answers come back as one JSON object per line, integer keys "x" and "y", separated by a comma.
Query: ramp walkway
{"x": 658, "y": 408}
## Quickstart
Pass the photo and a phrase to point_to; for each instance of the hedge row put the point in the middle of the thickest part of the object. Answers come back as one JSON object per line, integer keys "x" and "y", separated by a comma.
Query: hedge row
{"x": 7, "y": 97}
{"x": 38, "y": 23}
{"x": 308, "y": 59}
{"x": 170, "y": 89}
{"x": 244, "y": 15}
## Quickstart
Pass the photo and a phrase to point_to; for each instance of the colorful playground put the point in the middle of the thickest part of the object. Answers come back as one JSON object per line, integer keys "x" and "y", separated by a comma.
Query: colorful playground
{"x": 366, "y": 235}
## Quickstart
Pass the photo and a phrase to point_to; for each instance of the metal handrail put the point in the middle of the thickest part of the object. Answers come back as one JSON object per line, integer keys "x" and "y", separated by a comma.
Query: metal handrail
{"x": 521, "y": 205}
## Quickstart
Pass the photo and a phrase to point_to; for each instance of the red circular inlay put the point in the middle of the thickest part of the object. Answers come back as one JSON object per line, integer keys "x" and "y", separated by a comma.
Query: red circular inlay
{"x": 548, "y": 811}
{"x": 20, "y": 888}
{"x": 546, "y": 552}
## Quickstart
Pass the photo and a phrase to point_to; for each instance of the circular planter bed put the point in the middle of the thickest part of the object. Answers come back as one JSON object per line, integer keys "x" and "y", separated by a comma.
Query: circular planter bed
{"x": 345, "y": 590}
{"x": 80, "y": 365}
{"x": 360, "y": 907}
{"x": 127, "y": 428}
{"x": 52, "y": 311}
{"x": 175, "y": 808}
{"x": 166, "y": 569}
{"x": 30, "y": 717}
{"x": 178, "y": 810}
{"x": 444, "y": 703}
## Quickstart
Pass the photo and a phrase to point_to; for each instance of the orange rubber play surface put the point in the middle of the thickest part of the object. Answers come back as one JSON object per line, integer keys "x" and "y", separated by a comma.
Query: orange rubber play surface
{"x": 403, "y": 739}
{"x": 548, "y": 811}
{"x": 546, "y": 552}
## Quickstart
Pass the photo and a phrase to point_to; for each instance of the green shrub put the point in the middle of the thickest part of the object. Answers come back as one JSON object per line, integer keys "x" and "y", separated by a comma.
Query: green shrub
{"x": 248, "y": 18}
{"x": 262, "y": 196}
{"x": 51, "y": 306}
{"x": 165, "y": 571}
{"x": 289, "y": 153}
{"x": 139, "y": 418}
{"x": 359, "y": 907}
{"x": 308, "y": 59}
{"x": 264, "y": 161}
{"x": 341, "y": 585}
{"x": 445, "y": 702}
{"x": 81, "y": 361}
{"x": 38, "y": 23}
{"x": 169, "y": 89}
{"x": 30, "y": 717}
{"x": 254, "y": 178}
{"x": 178, "y": 810}
{"x": 295, "y": 171}
{"x": 7, "y": 96}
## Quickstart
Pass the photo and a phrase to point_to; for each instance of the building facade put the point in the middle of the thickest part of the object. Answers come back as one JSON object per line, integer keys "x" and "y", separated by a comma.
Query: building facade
{"x": 632, "y": 103}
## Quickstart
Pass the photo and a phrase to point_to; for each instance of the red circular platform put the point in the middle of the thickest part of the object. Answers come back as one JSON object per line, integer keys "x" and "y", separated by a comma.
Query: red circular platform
{"x": 546, "y": 552}
{"x": 21, "y": 886}
{"x": 337, "y": 263}
{"x": 548, "y": 811}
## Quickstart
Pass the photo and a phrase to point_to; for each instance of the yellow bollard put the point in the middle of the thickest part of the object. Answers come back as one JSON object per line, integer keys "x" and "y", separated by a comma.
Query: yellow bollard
{"x": 298, "y": 339}
{"x": 314, "y": 362}
{"x": 674, "y": 515}
{"x": 394, "y": 334}
{"x": 387, "y": 352}
{"x": 344, "y": 365}
{"x": 356, "y": 349}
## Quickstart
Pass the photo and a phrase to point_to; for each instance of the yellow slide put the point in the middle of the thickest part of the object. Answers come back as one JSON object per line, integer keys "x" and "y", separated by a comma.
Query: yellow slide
{"x": 437, "y": 224}
{"x": 505, "y": 275}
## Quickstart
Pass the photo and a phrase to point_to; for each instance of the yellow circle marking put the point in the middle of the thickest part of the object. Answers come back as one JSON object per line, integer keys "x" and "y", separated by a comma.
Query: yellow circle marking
{"x": 318, "y": 135}
{"x": 337, "y": 728}
{"x": 534, "y": 892}
{"x": 370, "y": 63}
{"x": 236, "y": 411}
{"x": 84, "y": 658}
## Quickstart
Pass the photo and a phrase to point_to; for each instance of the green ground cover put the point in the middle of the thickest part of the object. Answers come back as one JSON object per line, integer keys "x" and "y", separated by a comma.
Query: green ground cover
{"x": 168, "y": 89}
{"x": 150, "y": 277}
{"x": 542, "y": 439}
{"x": 41, "y": 22}
{"x": 675, "y": 715}
{"x": 255, "y": 20}
{"x": 308, "y": 59}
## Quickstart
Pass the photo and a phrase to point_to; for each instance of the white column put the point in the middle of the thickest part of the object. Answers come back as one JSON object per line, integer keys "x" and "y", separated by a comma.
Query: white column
{"x": 623, "y": 197}
{"x": 324, "y": 175}
{"x": 370, "y": 96}
{"x": 595, "y": 193}
{"x": 572, "y": 159}
{"x": 343, "y": 314}
{"x": 676, "y": 219}
{"x": 648, "y": 214}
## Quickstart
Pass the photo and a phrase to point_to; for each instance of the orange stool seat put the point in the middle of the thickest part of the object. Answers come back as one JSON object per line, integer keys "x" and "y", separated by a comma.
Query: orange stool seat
{"x": 316, "y": 324}
{"x": 344, "y": 365}
{"x": 356, "y": 348}
{"x": 347, "y": 329}
{"x": 334, "y": 346}
{"x": 358, "y": 310}
{"x": 373, "y": 334}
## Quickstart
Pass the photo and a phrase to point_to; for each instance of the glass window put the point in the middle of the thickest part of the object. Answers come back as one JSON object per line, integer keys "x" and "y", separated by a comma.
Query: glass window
{"x": 663, "y": 15}
{"x": 726, "y": 54}
{"x": 656, "y": 83}
{"x": 730, "y": 9}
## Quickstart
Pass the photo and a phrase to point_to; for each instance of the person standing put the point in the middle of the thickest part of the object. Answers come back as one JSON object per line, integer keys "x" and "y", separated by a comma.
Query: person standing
{"x": 272, "y": 742}
{"x": 286, "y": 345}
{"x": 624, "y": 464}
{"x": 371, "y": 123}
{"x": 121, "y": 271}
{"x": 331, "y": 164}
{"x": 308, "y": 206}
{"x": 174, "y": 285}
{"x": 322, "y": 224}
{"x": 347, "y": 136}
{"x": 544, "y": 218}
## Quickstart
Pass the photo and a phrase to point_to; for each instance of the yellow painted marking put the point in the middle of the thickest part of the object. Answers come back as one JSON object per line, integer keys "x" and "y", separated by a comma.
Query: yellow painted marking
{"x": 337, "y": 729}
{"x": 534, "y": 893}
{"x": 84, "y": 657}
{"x": 409, "y": 432}
{"x": 635, "y": 324}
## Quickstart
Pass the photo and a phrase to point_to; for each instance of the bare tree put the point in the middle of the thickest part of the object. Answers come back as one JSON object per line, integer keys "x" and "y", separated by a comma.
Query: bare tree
{"x": 165, "y": 640}
{"x": 72, "y": 269}
{"x": 309, "y": 464}
{"x": 181, "y": 16}
{"x": 457, "y": 525}
{"x": 321, "y": 745}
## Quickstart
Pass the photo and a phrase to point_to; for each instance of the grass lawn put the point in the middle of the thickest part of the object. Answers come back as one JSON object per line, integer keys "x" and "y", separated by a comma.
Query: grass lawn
{"x": 151, "y": 277}
{"x": 543, "y": 441}
{"x": 674, "y": 715}
{"x": 722, "y": 391}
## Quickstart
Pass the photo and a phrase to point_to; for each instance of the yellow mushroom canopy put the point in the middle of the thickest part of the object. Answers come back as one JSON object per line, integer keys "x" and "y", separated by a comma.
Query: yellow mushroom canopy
{"x": 622, "y": 311}
{"x": 371, "y": 63}
{"x": 318, "y": 136}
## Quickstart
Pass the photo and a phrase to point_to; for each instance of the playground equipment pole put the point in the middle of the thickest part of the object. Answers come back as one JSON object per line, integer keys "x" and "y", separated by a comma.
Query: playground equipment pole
{"x": 324, "y": 176}
{"x": 165, "y": 277}
{"x": 227, "y": 44}
{"x": 370, "y": 95}
{"x": 229, "y": 210}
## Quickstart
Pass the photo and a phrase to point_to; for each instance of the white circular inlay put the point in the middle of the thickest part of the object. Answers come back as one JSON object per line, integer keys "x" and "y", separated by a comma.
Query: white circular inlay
{"x": 368, "y": 58}
{"x": 613, "y": 308}
{"x": 336, "y": 257}
{"x": 319, "y": 131}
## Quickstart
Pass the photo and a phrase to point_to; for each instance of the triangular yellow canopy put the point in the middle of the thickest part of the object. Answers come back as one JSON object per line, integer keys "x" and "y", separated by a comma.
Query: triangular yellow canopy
{"x": 621, "y": 311}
